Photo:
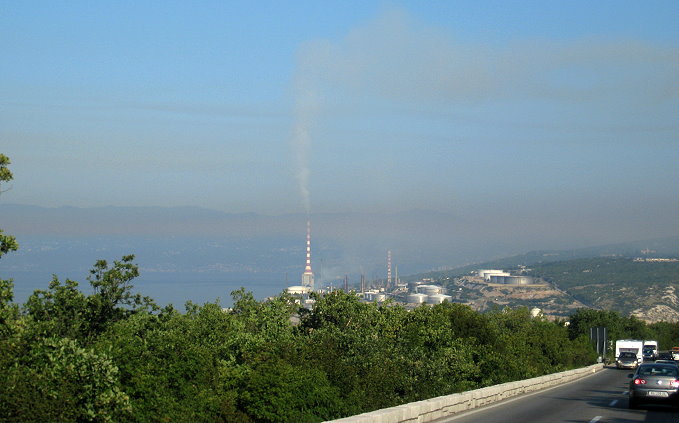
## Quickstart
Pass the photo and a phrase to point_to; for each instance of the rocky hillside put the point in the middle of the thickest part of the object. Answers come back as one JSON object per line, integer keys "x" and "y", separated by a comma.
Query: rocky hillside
{"x": 644, "y": 287}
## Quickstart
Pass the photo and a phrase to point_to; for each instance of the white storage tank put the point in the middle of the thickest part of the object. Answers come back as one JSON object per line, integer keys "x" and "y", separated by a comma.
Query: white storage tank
{"x": 438, "y": 298}
{"x": 518, "y": 280}
{"x": 370, "y": 295}
{"x": 487, "y": 273}
{"x": 430, "y": 289}
{"x": 498, "y": 279}
{"x": 298, "y": 289}
{"x": 379, "y": 297}
{"x": 417, "y": 298}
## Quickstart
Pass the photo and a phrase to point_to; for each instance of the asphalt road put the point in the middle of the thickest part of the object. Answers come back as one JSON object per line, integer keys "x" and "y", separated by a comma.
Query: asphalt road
{"x": 599, "y": 398}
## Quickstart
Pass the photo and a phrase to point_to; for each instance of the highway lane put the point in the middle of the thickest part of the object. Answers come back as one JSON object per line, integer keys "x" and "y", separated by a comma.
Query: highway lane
{"x": 598, "y": 398}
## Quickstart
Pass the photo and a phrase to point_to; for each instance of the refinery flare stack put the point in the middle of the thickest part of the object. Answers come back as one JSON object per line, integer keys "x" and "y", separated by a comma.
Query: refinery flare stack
{"x": 302, "y": 292}
{"x": 308, "y": 275}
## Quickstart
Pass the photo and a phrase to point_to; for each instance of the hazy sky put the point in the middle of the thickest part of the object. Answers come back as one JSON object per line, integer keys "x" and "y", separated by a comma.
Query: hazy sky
{"x": 531, "y": 108}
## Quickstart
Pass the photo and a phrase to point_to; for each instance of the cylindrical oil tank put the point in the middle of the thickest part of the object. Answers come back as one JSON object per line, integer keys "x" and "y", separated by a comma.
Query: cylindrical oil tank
{"x": 430, "y": 289}
{"x": 487, "y": 273}
{"x": 379, "y": 297}
{"x": 417, "y": 298}
{"x": 438, "y": 298}
{"x": 498, "y": 279}
{"x": 298, "y": 290}
{"x": 518, "y": 280}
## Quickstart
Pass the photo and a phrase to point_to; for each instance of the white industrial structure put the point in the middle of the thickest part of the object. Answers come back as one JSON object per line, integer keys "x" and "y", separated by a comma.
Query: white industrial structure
{"x": 373, "y": 295}
{"x": 308, "y": 275}
{"x": 429, "y": 289}
{"x": 301, "y": 292}
{"x": 511, "y": 280}
{"x": 487, "y": 273}
{"x": 298, "y": 290}
{"x": 417, "y": 298}
{"x": 438, "y": 298}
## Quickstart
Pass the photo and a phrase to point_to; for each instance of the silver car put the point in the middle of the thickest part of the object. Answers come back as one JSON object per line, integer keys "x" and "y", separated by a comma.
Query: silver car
{"x": 627, "y": 360}
{"x": 654, "y": 383}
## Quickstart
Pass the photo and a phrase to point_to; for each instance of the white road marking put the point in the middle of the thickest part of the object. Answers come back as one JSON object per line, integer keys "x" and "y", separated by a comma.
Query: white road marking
{"x": 594, "y": 420}
{"x": 613, "y": 403}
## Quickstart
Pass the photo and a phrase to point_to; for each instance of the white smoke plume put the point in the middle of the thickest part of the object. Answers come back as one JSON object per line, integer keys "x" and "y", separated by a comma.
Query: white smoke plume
{"x": 308, "y": 81}
{"x": 305, "y": 114}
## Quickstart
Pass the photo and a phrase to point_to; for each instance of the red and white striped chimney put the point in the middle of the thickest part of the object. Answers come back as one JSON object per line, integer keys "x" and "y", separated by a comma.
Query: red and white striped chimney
{"x": 308, "y": 275}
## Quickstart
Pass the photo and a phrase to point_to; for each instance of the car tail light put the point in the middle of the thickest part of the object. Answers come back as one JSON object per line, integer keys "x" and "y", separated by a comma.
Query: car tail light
{"x": 639, "y": 381}
{"x": 675, "y": 383}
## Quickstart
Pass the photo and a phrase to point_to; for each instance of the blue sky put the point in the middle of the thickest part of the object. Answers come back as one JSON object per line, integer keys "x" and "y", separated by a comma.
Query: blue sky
{"x": 514, "y": 111}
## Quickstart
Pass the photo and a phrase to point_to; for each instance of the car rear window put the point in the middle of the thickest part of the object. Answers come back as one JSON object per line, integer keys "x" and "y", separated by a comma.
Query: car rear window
{"x": 659, "y": 371}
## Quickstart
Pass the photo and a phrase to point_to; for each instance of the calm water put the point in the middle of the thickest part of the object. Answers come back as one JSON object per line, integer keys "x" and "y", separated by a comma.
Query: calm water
{"x": 164, "y": 292}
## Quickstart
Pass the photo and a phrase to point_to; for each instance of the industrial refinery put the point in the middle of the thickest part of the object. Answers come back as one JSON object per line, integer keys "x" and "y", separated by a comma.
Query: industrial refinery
{"x": 411, "y": 294}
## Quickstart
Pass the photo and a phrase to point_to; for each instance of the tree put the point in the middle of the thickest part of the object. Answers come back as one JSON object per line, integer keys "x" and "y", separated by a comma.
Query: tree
{"x": 8, "y": 310}
{"x": 5, "y": 174}
{"x": 61, "y": 310}
{"x": 113, "y": 299}
{"x": 7, "y": 243}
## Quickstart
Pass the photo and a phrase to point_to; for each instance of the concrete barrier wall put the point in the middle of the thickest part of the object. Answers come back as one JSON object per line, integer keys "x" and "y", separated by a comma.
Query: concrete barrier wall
{"x": 436, "y": 408}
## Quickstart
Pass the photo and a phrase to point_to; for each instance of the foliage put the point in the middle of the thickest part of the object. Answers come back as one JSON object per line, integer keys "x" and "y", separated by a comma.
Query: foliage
{"x": 8, "y": 310}
{"x": 64, "y": 310}
{"x": 113, "y": 299}
{"x": 252, "y": 364}
{"x": 60, "y": 381}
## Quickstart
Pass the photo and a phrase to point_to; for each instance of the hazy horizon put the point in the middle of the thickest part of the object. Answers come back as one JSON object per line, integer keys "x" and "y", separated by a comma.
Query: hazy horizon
{"x": 199, "y": 254}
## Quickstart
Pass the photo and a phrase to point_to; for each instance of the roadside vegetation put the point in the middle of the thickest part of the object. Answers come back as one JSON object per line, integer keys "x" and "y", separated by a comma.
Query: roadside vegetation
{"x": 113, "y": 356}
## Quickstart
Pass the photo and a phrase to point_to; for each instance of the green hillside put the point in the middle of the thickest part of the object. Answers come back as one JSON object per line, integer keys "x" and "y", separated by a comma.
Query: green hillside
{"x": 620, "y": 271}
{"x": 616, "y": 283}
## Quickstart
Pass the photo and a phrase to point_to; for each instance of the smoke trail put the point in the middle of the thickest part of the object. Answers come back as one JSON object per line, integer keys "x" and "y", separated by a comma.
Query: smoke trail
{"x": 305, "y": 112}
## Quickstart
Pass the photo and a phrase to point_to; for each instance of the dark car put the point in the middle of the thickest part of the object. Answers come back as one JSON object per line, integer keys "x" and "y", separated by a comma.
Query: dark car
{"x": 654, "y": 383}
{"x": 648, "y": 353}
{"x": 665, "y": 355}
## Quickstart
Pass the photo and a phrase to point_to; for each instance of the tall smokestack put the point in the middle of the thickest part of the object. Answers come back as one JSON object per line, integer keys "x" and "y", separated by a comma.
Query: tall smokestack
{"x": 388, "y": 269}
{"x": 308, "y": 275}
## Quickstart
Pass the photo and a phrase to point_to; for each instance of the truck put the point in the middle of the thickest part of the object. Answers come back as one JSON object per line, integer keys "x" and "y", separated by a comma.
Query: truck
{"x": 625, "y": 347}
{"x": 650, "y": 351}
